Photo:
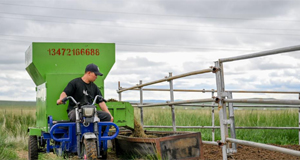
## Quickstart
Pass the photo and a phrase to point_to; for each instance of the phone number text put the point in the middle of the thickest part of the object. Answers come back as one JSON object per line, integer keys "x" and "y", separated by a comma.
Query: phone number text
{"x": 73, "y": 52}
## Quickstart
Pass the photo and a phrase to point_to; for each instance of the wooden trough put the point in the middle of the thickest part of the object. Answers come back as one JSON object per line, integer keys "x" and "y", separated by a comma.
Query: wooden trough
{"x": 167, "y": 145}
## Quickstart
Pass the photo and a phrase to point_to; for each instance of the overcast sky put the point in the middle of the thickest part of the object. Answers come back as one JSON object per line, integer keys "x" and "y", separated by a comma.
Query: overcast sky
{"x": 155, "y": 37}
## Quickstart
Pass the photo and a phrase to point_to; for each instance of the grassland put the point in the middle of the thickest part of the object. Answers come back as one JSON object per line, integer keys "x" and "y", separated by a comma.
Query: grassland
{"x": 203, "y": 117}
{"x": 14, "y": 123}
{"x": 15, "y": 119}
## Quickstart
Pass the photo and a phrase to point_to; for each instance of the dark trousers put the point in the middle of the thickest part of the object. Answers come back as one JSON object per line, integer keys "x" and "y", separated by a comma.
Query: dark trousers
{"x": 103, "y": 116}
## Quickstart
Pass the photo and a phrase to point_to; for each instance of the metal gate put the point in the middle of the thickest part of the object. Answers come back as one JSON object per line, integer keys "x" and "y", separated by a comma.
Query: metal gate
{"x": 221, "y": 99}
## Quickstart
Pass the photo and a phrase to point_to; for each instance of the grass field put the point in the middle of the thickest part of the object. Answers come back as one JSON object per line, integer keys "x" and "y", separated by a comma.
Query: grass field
{"x": 14, "y": 121}
{"x": 13, "y": 133}
{"x": 203, "y": 117}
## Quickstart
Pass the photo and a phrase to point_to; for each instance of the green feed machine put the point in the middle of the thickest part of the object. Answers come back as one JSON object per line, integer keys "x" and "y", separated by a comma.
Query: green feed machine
{"x": 51, "y": 66}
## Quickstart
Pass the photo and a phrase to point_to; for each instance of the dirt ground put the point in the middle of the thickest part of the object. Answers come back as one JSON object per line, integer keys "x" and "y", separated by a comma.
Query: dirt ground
{"x": 214, "y": 152}
{"x": 246, "y": 152}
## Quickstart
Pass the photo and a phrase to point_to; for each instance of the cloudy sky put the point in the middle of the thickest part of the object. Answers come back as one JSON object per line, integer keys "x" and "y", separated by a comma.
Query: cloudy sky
{"x": 155, "y": 37}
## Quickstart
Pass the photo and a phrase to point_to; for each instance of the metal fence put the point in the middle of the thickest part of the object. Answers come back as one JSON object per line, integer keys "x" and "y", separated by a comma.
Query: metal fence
{"x": 221, "y": 99}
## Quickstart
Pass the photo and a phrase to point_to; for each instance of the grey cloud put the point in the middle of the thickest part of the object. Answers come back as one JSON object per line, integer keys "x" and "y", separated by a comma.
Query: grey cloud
{"x": 247, "y": 79}
{"x": 134, "y": 62}
{"x": 141, "y": 36}
{"x": 16, "y": 89}
{"x": 293, "y": 73}
{"x": 197, "y": 86}
{"x": 280, "y": 85}
{"x": 184, "y": 33}
{"x": 138, "y": 66}
{"x": 231, "y": 9}
{"x": 265, "y": 64}
{"x": 11, "y": 26}
{"x": 295, "y": 54}
{"x": 197, "y": 65}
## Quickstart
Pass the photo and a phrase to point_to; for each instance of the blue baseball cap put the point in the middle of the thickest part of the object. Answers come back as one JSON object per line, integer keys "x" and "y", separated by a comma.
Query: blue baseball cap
{"x": 93, "y": 68}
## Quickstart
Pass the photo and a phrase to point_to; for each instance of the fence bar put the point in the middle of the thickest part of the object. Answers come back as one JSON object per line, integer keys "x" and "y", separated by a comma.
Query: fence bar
{"x": 213, "y": 118}
{"x": 185, "y": 127}
{"x": 177, "y": 102}
{"x": 204, "y": 90}
{"x": 299, "y": 121}
{"x": 258, "y": 106}
{"x": 167, "y": 79}
{"x": 263, "y": 53}
{"x": 119, "y": 87}
{"x": 277, "y": 92}
{"x": 172, "y": 100}
{"x": 218, "y": 127}
{"x": 267, "y": 127}
{"x": 264, "y": 101}
{"x": 222, "y": 107}
{"x": 141, "y": 102}
{"x": 232, "y": 124}
{"x": 210, "y": 143}
{"x": 236, "y": 106}
{"x": 265, "y": 146}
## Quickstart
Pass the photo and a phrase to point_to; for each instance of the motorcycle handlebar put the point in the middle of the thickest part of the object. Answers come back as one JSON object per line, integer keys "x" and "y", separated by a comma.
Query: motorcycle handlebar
{"x": 96, "y": 99}
{"x": 64, "y": 100}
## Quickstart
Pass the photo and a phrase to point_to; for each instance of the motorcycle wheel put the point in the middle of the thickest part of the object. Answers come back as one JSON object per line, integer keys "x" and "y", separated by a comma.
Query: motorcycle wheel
{"x": 32, "y": 148}
{"x": 89, "y": 149}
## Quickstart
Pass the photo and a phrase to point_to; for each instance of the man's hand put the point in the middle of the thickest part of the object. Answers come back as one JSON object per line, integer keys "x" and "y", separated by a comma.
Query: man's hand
{"x": 112, "y": 118}
{"x": 61, "y": 97}
{"x": 59, "y": 101}
{"x": 104, "y": 108}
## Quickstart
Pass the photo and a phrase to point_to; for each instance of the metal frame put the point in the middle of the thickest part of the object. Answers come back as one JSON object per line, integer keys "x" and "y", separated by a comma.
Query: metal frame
{"x": 222, "y": 98}
{"x": 67, "y": 130}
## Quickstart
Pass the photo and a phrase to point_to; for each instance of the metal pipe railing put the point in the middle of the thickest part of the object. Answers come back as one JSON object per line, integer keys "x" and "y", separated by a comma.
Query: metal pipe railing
{"x": 265, "y": 146}
{"x": 260, "y": 54}
{"x": 213, "y": 118}
{"x": 167, "y": 79}
{"x": 208, "y": 105}
{"x": 242, "y": 106}
{"x": 141, "y": 102}
{"x": 119, "y": 93}
{"x": 264, "y": 101}
{"x": 177, "y": 102}
{"x": 210, "y": 143}
{"x": 221, "y": 100}
{"x": 218, "y": 127}
{"x": 299, "y": 121}
{"x": 222, "y": 108}
{"x": 204, "y": 90}
{"x": 172, "y": 105}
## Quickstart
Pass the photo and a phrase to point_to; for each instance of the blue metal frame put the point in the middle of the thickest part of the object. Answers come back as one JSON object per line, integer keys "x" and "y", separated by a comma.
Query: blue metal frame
{"x": 65, "y": 135}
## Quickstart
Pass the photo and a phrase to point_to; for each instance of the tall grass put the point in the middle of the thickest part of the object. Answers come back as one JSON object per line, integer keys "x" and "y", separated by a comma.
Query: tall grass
{"x": 13, "y": 131}
{"x": 272, "y": 118}
{"x": 203, "y": 117}
{"x": 6, "y": 151}
{"x": 14, "y": 123}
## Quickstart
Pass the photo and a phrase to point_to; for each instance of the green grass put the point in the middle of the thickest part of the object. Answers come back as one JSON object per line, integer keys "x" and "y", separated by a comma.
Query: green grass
{"x": 14, "y": 121}
{"x": 16, "y": 104}
{"x": 6, "y": 148}
{"x": 13, "y": 131}
{"x": 203, "y": 117}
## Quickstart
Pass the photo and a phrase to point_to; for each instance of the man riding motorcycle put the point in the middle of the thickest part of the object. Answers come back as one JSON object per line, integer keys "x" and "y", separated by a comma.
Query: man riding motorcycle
{"x": 83, "y": 90}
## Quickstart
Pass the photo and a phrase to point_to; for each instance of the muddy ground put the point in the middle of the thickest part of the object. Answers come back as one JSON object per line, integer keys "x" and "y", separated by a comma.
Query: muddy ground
{"x": 246, "y": 152}
{"x": 214, "y": 152}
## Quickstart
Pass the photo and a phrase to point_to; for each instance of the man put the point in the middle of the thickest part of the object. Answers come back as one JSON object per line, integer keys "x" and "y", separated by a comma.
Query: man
{"x": 84, "y": 90}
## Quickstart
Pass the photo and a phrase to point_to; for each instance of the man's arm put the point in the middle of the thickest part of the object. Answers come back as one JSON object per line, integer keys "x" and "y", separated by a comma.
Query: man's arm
{"x": 62, "y": 96}
{"x": 105, "y": 109}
